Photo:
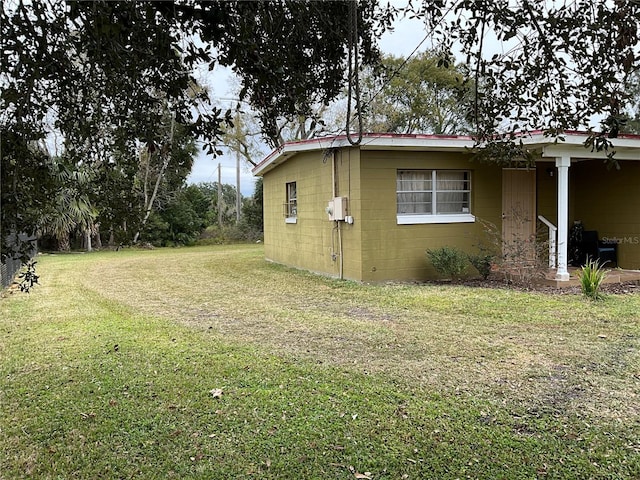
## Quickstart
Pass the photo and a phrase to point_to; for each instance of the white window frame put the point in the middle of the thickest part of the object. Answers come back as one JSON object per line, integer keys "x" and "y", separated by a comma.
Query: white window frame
{"x": 291, "y": 205}
{"x": 420, "y": 218}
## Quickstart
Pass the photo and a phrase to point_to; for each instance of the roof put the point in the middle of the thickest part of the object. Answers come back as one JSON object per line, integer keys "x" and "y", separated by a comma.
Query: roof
{"x": 570, "y": 144}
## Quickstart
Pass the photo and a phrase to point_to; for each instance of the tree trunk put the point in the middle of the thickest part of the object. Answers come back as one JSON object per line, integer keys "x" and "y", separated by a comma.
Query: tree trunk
{"x": 97, "y": 236}
{"x": 64, "y": 244}
{"x": 149, "y": 204}
{"x": 87, "y": 241}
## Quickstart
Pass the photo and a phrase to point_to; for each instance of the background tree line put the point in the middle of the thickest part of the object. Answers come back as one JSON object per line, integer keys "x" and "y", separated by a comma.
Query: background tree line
{"x": 188, "y": 215}
{"x": 112, "y": 86}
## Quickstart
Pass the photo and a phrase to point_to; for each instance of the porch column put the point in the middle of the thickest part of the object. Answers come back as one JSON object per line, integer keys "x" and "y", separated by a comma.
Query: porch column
{"x": 563, "y": 163}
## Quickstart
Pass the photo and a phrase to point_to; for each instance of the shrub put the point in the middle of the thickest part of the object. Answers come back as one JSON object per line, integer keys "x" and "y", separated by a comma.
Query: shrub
{"x": 521, "y": 260}
{"x": 214, "y": 235}
{"x": 591, "y": 277}
{"x": 482, "y": 262}
{"x": 448, "y": 261}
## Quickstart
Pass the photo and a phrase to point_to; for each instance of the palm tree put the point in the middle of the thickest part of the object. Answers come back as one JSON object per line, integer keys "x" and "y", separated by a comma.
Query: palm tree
{"x": 71, "y": 209}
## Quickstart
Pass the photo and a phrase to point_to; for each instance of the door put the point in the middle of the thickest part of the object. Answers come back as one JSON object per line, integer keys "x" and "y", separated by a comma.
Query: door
{"x": 518, "y": 213}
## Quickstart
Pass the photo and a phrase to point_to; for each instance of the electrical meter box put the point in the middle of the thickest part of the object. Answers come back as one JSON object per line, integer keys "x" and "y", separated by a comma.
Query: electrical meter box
{"x": 337, "y": 208}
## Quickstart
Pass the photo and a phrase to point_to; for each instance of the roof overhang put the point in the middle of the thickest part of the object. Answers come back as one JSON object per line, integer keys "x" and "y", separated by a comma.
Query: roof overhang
{"x": 568, "y": 145}
{"x": 573, "y": 145}
{"x": 387, "y": 141}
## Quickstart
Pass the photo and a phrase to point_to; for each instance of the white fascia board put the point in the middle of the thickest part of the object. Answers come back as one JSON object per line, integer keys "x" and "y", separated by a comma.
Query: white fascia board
{"x": 573, "y": 145}
{"x": 289, "y": 149}
{"x": 582, "y": 152}
{"x": 570, "y": 144}
{"x": 427, "y": 143}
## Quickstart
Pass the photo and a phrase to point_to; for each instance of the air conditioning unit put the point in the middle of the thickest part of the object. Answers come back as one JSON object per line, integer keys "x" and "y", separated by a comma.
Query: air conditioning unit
{"x": 337, "y": 208}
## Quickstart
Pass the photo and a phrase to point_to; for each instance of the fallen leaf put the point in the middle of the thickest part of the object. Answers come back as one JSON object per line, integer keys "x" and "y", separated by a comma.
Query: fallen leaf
{"x": 362, "y": 475}
{"x": 216, "y": 392}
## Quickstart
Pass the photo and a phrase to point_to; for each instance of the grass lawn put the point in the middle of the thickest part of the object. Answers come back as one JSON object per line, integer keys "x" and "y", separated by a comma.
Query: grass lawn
{"x": 211, "y": 363}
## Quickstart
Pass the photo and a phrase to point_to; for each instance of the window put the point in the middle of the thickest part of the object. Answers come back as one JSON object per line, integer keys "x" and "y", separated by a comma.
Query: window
{"x": 291, "y": 206}
{"x": 433, "y": 196}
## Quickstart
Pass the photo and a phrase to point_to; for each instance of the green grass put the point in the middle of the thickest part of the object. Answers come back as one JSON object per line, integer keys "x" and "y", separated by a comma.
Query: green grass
{"x": 107, "y": 370}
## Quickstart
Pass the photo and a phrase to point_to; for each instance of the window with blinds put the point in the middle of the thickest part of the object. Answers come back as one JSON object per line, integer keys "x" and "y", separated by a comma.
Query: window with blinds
{"x": 433, "y": 192}
{"x": 291, "y": 205}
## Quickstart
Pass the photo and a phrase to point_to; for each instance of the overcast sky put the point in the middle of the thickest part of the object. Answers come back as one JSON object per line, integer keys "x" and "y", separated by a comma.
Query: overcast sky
{"x": 400, "y": 42}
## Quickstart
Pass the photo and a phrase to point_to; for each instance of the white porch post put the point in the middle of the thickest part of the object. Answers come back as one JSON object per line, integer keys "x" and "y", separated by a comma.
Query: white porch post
{"x": 563, "y": 164}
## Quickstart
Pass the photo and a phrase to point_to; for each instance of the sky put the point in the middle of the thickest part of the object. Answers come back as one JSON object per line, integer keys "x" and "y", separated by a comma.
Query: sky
{"x": 406, "y": 36}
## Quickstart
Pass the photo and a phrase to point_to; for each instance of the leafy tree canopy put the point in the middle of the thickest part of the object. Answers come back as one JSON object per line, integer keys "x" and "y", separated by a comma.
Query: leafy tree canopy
{"x": 562, "y": 63}
{"x": 98, "y": 75}
{"x": 417, "y": 95}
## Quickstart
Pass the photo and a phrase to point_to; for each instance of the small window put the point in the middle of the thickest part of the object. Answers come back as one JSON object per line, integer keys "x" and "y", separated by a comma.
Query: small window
{"x": 433, "y": 196}
{"x": 291, "y": 205}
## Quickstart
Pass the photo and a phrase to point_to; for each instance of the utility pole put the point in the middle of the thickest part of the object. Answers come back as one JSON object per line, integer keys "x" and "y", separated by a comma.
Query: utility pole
{"x": 238, "y": 196}
{"x": 219, "y": 195}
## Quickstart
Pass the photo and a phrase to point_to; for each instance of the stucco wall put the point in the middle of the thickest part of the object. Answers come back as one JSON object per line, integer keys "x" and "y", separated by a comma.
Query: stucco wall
{"x": 608, "y": 200}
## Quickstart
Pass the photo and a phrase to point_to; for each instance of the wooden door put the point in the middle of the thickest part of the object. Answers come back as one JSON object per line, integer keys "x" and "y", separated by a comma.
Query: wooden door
{"x": 519, "y": 211}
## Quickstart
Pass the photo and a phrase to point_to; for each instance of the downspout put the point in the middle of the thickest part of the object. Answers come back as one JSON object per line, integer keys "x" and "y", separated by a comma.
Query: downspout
{"x": 333, "y": 174}
{"x": 341, "y": 264}
{"x": 338, "y": 226}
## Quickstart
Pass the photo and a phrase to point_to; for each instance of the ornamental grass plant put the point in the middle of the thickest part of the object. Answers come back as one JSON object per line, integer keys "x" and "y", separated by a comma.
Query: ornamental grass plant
{"x": 591, "y": 277}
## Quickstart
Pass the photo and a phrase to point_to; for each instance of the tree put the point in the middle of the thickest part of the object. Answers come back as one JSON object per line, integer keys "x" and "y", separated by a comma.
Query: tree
{"x": 163, "y": 168}
{"x": 97, "y": 73}
{"x": 70, "y": 208}
{"x": 417, "y": 95}
{"x": 632, "y": 111}
{"x": 181, "y": 220}
{"x": 244, "y": 136}
{"x": 564, "y": 63}
{"x": 253, "y": 208}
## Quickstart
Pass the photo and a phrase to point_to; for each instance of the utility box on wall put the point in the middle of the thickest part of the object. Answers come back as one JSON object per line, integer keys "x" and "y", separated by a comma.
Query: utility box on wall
{"x": 337, "y": 208}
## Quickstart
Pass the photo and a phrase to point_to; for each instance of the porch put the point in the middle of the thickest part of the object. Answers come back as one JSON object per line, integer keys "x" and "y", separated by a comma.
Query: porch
{"x": 571, "y": 185}
{"x": 613, "y": 275}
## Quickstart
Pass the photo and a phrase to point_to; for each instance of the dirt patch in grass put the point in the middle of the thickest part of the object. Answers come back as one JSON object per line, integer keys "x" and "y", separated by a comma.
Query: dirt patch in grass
{"x": 498, "y": 282}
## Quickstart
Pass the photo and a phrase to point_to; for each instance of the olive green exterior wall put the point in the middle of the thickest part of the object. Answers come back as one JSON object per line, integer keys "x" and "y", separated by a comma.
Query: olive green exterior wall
{"x": 375, "y": 248}
{"x": 313, "y": 242}
{"x": 608, "y": 200}
{"x": 397, "y": 252}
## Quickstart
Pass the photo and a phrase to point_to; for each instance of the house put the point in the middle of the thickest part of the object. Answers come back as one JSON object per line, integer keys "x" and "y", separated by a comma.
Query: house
{"x": 369, "y": 212}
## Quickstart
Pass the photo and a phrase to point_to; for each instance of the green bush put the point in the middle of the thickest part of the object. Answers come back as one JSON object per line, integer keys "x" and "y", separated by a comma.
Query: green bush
{"x": 228, "y": 234}
{"x": 450, "y": 262}
{"x": 591, "y": 277}
{"x": 482, "y": 262}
